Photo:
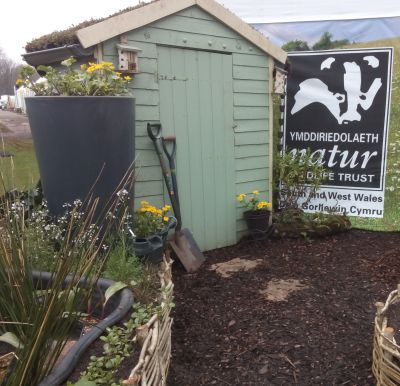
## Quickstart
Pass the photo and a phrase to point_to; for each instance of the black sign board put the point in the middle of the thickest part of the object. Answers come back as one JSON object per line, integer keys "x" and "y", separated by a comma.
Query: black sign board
{"x": 337, "y": 105}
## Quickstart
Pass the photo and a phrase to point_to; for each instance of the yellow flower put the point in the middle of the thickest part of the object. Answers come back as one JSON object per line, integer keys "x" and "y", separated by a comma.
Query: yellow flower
{"x": 83, "y": 67}
{"x": 241, "y": 197}
{"x": 260, "y": 205}
{"x": 165, "y": 218}
{"x": 256, "y": 192}
{"x": 19, "y": 81}
{"x": 144, "y": 203}
{"x": 127, "y": 77}
{"x": 118, "y": 73}
{"x": 166, "y": 208}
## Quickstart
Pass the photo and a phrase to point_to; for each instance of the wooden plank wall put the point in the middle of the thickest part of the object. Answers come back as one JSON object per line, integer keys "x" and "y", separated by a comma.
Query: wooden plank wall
{"x": 195, "y": 29}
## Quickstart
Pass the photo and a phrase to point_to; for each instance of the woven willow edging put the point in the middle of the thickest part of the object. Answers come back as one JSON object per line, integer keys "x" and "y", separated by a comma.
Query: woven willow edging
{"x": 386, "y": 351}
{"x": 155, "y": 338}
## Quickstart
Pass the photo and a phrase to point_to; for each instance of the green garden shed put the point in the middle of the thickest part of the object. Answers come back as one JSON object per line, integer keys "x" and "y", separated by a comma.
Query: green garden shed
{"x": 206, "y": 75}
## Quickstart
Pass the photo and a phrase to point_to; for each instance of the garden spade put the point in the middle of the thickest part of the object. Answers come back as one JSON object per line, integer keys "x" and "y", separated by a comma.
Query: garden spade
{"x": 183, "y": 244}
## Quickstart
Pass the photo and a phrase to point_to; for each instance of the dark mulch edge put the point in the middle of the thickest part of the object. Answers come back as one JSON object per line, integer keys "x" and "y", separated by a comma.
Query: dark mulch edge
{"x": 226, "y": 333}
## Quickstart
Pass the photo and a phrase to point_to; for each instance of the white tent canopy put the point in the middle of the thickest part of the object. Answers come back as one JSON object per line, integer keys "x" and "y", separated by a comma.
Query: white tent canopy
{"x": 268, "y": 11}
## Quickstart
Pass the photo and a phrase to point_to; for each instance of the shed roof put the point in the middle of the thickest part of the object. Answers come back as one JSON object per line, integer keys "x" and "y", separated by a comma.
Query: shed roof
{"x": 139, "y": 17}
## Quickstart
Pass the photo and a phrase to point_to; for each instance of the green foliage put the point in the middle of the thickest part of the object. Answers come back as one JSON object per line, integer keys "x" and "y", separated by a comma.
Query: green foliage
{"x": 326, "y": 42}
{"x": 300, "y": 176}
{"x": 296, "y": 45}
{"x": 42, "y": 320}
{"x": 117, "y": 346}
{"x": 295, "y": 223}
{"x": 91, "y": 80}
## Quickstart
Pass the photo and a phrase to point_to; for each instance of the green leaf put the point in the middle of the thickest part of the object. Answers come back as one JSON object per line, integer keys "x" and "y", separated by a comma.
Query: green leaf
{"x": 11, "y": 339}
{"x": 82, "y": 382}
{"x": 112, "y": 290}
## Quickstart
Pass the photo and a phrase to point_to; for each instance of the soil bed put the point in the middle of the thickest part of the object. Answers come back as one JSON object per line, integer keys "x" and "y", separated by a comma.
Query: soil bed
{"x": 303, "y": 315}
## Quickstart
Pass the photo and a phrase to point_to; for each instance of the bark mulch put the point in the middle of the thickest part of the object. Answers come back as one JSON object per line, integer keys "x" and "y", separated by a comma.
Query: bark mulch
{"x": 226, "y": 332}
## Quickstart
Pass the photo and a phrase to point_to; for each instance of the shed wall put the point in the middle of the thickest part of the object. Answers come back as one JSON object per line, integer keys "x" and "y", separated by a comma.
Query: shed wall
{"x": 195, "y": 29}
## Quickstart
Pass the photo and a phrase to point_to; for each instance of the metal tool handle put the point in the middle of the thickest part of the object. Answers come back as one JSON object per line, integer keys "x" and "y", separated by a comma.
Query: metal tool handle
{"x": 172, "y": 166}
{"x": 157, "y": 128}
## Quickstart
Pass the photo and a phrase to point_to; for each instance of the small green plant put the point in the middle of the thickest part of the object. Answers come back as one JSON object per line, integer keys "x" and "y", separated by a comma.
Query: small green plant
{"x": 94, "y": 79}
{"x": 252, "y": 202}
{"x": 117, "y": 346}
{"x": 299, "y": 175}
{"x": 123, "y": 265}
{"x": 150, "y": 220}
{"x": 40, "y": 321}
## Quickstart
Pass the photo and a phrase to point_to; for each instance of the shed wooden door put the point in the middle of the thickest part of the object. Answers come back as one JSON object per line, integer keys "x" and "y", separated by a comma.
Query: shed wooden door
{"x": 196, "y": 105}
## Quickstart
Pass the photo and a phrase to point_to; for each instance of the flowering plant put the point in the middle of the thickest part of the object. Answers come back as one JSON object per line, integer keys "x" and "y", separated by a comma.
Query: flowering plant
{"x": 252, "y": 202}
{"x": 150, "y": 220}
{"x": 93, "y": 79}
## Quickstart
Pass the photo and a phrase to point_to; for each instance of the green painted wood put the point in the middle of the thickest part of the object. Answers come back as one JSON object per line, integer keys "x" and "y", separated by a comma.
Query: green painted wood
{"x": 145, "y": 97}
{"x": 250, "y": 112}
{"x": 146, "y": 158}
{"x": 198, "y": 26}
{"x": 148, "y": 173}
{"x": 250, "y": 72}
{"x": 245, "y": 125}
{"x": 252, "y": 138}
{"x": 245, "y": 151}
{"x": 147, "y": 113}
{"x": 148, "y": 188}
{"x": 250, "y": 86}
{"x": 187, "y": 39}
{"x": 200, "y": 109}
{"x": 145, "y": 81}
{"x": 148, "y": 65}
{"x": 195, "y": 13}
{"x": 246, "y": 99}
{"x": 251, "y": 175}
{"x": 248, "y": 187}
{"x": 241, "y": 59}
{"x": 144, "y": 143}
{"x": 250, "y": 163}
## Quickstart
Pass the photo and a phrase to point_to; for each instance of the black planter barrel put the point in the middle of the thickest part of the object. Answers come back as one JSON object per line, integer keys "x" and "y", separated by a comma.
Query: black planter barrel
{"x": 79, "y": 140}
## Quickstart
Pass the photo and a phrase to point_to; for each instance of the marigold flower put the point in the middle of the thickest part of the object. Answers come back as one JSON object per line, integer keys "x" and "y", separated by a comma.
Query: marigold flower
{"x": 256, "y": 192}
{"x": 241, "y": 197}
{"x": 165, "y": 218}
{"x": 19, "y": 81}
{"x": 127, "y": 77}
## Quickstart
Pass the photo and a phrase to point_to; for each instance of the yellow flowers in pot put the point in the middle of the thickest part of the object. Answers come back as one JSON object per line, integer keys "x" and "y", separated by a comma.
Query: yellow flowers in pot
{"x": 252, "y": 202}
{"x": 92, "y": 79}
{"x": 150, "y": 220}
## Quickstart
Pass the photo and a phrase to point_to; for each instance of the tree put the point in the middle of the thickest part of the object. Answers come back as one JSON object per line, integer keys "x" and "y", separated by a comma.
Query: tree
{"x": 326, "y": 42}
{"x": 296, "y": 45}
{"x": 9, "y": 71}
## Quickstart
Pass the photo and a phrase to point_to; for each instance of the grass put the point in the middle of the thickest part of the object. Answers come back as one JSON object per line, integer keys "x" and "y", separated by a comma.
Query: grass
{"x": 19, "y": 171}
{"x": 391, "y": 219}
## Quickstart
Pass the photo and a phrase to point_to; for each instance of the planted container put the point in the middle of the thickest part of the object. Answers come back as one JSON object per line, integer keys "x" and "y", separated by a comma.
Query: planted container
{"x": 257, "y": 221}
{"x": 84, "y": 145}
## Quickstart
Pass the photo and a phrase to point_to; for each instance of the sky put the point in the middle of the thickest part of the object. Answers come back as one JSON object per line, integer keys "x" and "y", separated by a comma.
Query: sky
{"x": 23, "y": 20}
